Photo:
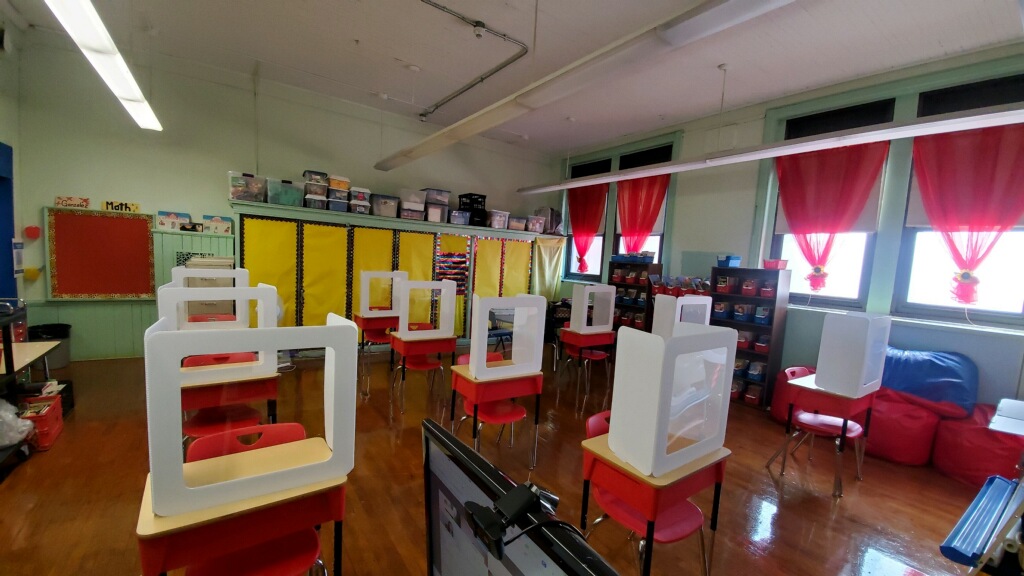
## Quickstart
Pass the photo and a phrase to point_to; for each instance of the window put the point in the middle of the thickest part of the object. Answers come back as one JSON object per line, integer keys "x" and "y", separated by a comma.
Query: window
{"x": 653, "y": 244}
{"x": 847, "y": 272}
{"x": 594, "y": 259}
{"x": 928, "y": 284}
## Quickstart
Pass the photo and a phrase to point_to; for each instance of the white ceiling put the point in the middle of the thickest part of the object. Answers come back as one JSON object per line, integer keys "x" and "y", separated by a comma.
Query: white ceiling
{"x": 360, "y": 50}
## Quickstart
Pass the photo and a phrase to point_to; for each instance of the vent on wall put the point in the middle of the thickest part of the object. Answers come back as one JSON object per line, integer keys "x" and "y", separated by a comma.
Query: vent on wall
{"x": 181, "y": 258}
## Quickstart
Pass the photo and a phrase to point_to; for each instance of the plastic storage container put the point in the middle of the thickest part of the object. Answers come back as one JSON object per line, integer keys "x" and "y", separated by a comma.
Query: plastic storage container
{"x": 339, "y": 182}
{"x": 471, "y": 201}
{"x": 497, "y": 219}
{"x": 357, "y": 194}
{"x": 284, "y": 192}
{"x": 316, "y": 176}
{"x": 317, "y": 202}
{"x": 359, "y": 207}
{"x": 535, "y": 224}
{"x": 729, "y": 261}
{"x": 47, "y": 415}
{"x": 315, "y": 189}
{"x": 337, "y": 194}
{"x": 437, "y": 196}
{"x": 516, "y": 223}
{"x": 458, "y": 217}
{"x": 247, "y": 187}
{"x": 384, "y": 205}
{"x": 437, "y": 213}
{"x": 337, "y": 205}
{"x": 408, "y": 214}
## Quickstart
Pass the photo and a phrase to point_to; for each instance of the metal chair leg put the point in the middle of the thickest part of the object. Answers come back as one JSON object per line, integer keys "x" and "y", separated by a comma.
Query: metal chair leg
{"x": 501, "y": 430}
{"x": 459, "y": 425}
{"x": 476, "y": 443}
{"x": 800, "y": 443}
{"x": 594, "y": 524}
{"x": 859, "y": 447}
{"x": 837, "y": 486}
{"x": 782, "y": 451}
{"x": 704, "y": 568}
{"x": 511, "y": 434}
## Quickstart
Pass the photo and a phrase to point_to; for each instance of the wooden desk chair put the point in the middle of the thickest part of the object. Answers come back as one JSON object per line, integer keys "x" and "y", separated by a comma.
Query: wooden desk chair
{"x": 289, "y": 555}
{"x": 584, "y": 363}
{"x": 223, "y": 408}
{"x": 675, "y": 520}
{"x": 419, "y": 363}
{"x": 811, "y": 423}
{"x": 499, "y": 412}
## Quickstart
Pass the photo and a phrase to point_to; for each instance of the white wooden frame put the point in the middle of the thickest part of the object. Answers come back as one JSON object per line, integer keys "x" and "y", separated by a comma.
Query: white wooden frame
{"x": 527, "y": 336}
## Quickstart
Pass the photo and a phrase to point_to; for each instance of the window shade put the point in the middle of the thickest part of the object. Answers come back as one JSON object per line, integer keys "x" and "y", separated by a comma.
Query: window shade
{"x": 866, "y": 222}
{"x": 916, "y": 217}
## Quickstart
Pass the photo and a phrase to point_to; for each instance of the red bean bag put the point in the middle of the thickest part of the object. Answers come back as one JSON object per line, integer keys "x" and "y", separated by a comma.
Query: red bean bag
{"x": 969, "y": 452}
{"x": 901, "y": 431}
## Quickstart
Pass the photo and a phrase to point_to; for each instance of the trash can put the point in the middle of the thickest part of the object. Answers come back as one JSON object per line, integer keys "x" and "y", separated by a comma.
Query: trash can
{"x": 61, "y": 355}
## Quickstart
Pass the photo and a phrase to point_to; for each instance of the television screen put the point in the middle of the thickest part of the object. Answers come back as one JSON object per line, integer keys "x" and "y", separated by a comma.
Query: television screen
{"x": 453, "y": 474}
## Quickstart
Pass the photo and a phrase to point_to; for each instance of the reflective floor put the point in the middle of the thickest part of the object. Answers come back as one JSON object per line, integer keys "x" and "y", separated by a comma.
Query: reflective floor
{"x": 72, "y": 510}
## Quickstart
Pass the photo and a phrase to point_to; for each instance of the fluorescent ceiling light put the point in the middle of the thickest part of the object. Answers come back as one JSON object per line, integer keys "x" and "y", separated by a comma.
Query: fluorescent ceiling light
{"x": 81, "y": 21}
{"x": 713, "y": 17}
{"x": 605, "y": 64}
{"x": 938, "y": 124}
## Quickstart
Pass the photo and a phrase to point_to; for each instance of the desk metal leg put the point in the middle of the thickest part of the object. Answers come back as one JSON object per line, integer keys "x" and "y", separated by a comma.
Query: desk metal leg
{"x": 452, "y": 411}
{"x": 867, "y": 423}
{"x": 583, "y": 507}
{"x": 46, "y": 370}
{"x": 648, "y": 549}
{"x": 272, "y": 411}
{"x": 337, "y": 547}
{"x": 476, "y": 441}
{"x": 536, "y": 432}
{"x": 714, "y": 522}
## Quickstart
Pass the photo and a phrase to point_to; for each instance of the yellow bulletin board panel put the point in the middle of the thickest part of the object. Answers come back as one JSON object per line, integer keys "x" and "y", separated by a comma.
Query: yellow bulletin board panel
{"x": 324, "y": 272}
{"x": 452, "y": 263}
{"x": 487, "y": 268}
{"x": 416, "y": 257}
{"x": 269, "y": 249}
{"x": 372, "y": 250}
{"x": 515, "y": 278}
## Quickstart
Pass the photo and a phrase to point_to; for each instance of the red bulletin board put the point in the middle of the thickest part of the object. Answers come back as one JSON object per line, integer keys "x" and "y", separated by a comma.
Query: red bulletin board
{"x": 97, "y": 254}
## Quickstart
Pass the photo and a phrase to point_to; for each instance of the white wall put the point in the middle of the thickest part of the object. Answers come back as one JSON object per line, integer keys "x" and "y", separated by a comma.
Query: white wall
{"x": 75, "y": 139}
{"x": 9, "y": 94}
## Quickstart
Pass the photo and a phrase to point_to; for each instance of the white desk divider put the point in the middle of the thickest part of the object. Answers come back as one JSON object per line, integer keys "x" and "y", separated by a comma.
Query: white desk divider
{"x": 852, "y": 353}
{"x": 603, "y": 297}
{"x": 445, "y": 311}
{"x": 180, "y": 273}
{"x": 172, "y": 302}
{"x": 164, "y": 350}
{"x": 670, "y": 312}
{"x": 365, "y": 277}
{"x": 527, "y": 336}
{"x": 671, "y": 397}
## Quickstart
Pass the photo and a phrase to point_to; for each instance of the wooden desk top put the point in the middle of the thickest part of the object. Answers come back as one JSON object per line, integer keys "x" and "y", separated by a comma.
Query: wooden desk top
{"x": 463, "y": 371}
{"x": 397, "y": 336}
{"x": 810, "y": 384}
{"x": 26, "y": 353}
{"x": 598, "y": 446}
{"x": 585, "y": 334}
{"x": 214, "y": 470}
{"x": 274, "y": 376}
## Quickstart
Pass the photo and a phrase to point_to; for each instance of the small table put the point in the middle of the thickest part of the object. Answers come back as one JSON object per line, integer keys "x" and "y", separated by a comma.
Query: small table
{"x": 25, "y": 353}
{"x": 586, "y": 341}
{"x": 813, "y": 398}
{"x": 479, "y": 391}
{"x": 373, "y": 323}
{"x": 645, "y": 493}
{"x": 169, "y": 542}
{"x": 424, "y": 347}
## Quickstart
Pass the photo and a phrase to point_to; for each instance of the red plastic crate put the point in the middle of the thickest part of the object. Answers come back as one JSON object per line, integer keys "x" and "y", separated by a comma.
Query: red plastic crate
{"x": 762, "y": 348}
{"x": 657, "y": 289}
{"x": 768, "y": 292}
{"x": 48, "y": 424}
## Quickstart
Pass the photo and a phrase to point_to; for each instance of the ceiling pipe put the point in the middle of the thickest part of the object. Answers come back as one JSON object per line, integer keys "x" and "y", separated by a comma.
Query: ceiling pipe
{"x": 478, "y": 29}
{"x": 939, "y": 124}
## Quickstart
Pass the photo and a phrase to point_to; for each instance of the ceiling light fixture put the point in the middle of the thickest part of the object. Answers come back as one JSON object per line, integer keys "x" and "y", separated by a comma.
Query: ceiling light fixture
{"x": 627, "y": 53}
{"x": 81, "y": 21}
{"x": 938, "y": 124}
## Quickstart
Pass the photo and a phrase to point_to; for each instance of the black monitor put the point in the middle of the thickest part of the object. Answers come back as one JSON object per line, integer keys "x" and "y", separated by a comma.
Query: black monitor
{"x": 453, "y": 475}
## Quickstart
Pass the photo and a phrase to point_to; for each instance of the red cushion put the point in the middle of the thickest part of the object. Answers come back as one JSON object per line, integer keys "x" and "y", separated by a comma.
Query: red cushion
{"x": 496, "y": 412}
{"x": 421, "y": 362}
{"x": 674, "y": 522}
{"x": 824, "y": 425}
{"x": 209, "y": 421}
{"x": 289, "y": 555}
{"x": 901, "y": 432}
{"x": 969, "y": 452}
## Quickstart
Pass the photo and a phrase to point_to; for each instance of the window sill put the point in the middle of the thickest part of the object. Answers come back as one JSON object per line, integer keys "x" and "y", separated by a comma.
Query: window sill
{"x": 953, "y": 327}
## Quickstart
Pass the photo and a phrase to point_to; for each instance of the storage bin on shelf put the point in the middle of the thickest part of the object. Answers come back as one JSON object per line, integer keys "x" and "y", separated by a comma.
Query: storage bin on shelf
{"x": 458, "y": 217}
{"x": 472, "y": 201}
{"x": 516, "y": 223}
{"x": 726, "y": 285}
{"x": 744, "y": 340}
{"x": 383, "y": 205}
{"x": 408, "y": 214}
{"x": 763, "y": 315}
{"x": 736, "y": 390}
{"x": 775, "y": 264}
{"x": 357, "y": 194}
{"x": 742, "y": 312}
{"x": 284, "y": 192}
{"x": 247, "y": 187}
{"x": 316, "y": 176}
{"x": 497, "y": 219}
{"x": 315, "y": 189}
{"x": 756, "y": 371}
{"x": 436, "y": 196}
{"x": 317, "y": 202}
{"x": 46, "y": 414}
{"x": 728, "y": 261}
{"x": 337, "y": 194}
{"x": 753, "y": 395}
{"x": 337, "y": 205}
{"x": 359, "y": 207}
{"x": 763, "y": 344}
{"x": 339, "y": 182}
{"x": 768, "y": 291}
{"x": 535, "y": 224}
{"x": 750, "y": 287}
{"x": 740, "y": 368}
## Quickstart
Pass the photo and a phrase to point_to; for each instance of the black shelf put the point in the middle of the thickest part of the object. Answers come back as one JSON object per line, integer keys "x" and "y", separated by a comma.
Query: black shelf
{"x": 776, "y": 330}
{"x": 641, "y": 289}
{"x": 748, "y": 380}
{"x": 638, "y": 306}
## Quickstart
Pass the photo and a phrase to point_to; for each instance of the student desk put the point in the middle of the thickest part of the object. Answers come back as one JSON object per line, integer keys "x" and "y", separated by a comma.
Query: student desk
{"x": 811, "y": 398}
{"x": 169, "y": 542}
{"x": 645, "y": 492}
{"x": 241, "y": 391}
{"x": 479, "y": 391}
{"x": 384, "y": 323}
{"x": 426, "y": 347}
{"x": 25, "y": 353}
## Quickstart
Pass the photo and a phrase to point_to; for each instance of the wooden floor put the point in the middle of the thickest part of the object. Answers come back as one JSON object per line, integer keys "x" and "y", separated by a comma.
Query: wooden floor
{"x": 72, "y": 510}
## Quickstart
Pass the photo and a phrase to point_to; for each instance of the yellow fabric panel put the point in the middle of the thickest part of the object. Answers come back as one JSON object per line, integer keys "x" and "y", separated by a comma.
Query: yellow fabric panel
{"x": 269, "y": 250}
{"x": 460, "y": 316}
{"x": 324, "y": 272}
{"x": 487, "y": 268}
{"x": 454, "y": 243}
{"x": 416, "y": 257}
{"x": 548, "y": 254}
{"x": 516, "y": 272}
{"x": 371, "y": 251}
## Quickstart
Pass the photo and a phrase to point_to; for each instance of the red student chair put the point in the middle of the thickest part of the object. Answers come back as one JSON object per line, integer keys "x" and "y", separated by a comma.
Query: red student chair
{"x": 500, "y": 412}
{"x": 808, "y": 421}
{"x": 419, "y": 363}
{"x": 676, "y": 520}
{"x": 289, "y": 555}
{"x": 584, "y": 362}
{"x": 371, "y": 337}
{"x": 219, "y": 408}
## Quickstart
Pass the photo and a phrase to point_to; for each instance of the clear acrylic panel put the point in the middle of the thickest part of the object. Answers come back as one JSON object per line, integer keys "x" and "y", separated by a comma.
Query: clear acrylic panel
{"x": 697, "y": 396}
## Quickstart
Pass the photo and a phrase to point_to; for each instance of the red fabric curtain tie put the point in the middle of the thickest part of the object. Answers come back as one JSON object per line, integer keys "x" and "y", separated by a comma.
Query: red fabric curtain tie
{"x": 817, "y": 278}
{"x": 965, "y": 287}
{"x": 581, "y": 264}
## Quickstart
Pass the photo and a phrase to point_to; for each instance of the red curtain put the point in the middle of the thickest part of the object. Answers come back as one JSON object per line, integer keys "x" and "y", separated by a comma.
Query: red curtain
{"x": 972, "y": 189}
{"x": 823, "y": 193}
{"x": 639, "y": 201}
{"x": 586, "y": 217}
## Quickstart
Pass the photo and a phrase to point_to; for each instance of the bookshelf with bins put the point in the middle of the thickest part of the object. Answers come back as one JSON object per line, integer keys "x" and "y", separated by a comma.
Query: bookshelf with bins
{"x": 752, "y": 301}
{"x": 631, "y": 279}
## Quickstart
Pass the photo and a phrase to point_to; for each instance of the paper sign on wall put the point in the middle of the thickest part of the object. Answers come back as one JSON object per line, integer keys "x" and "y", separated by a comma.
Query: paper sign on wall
{"x": 118, "y": 206}
{"x": 19, "y": 264}
{"x": 218, "y": 224}
{"x": 70, "y": 202}
{"x": 172, "y": 220}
